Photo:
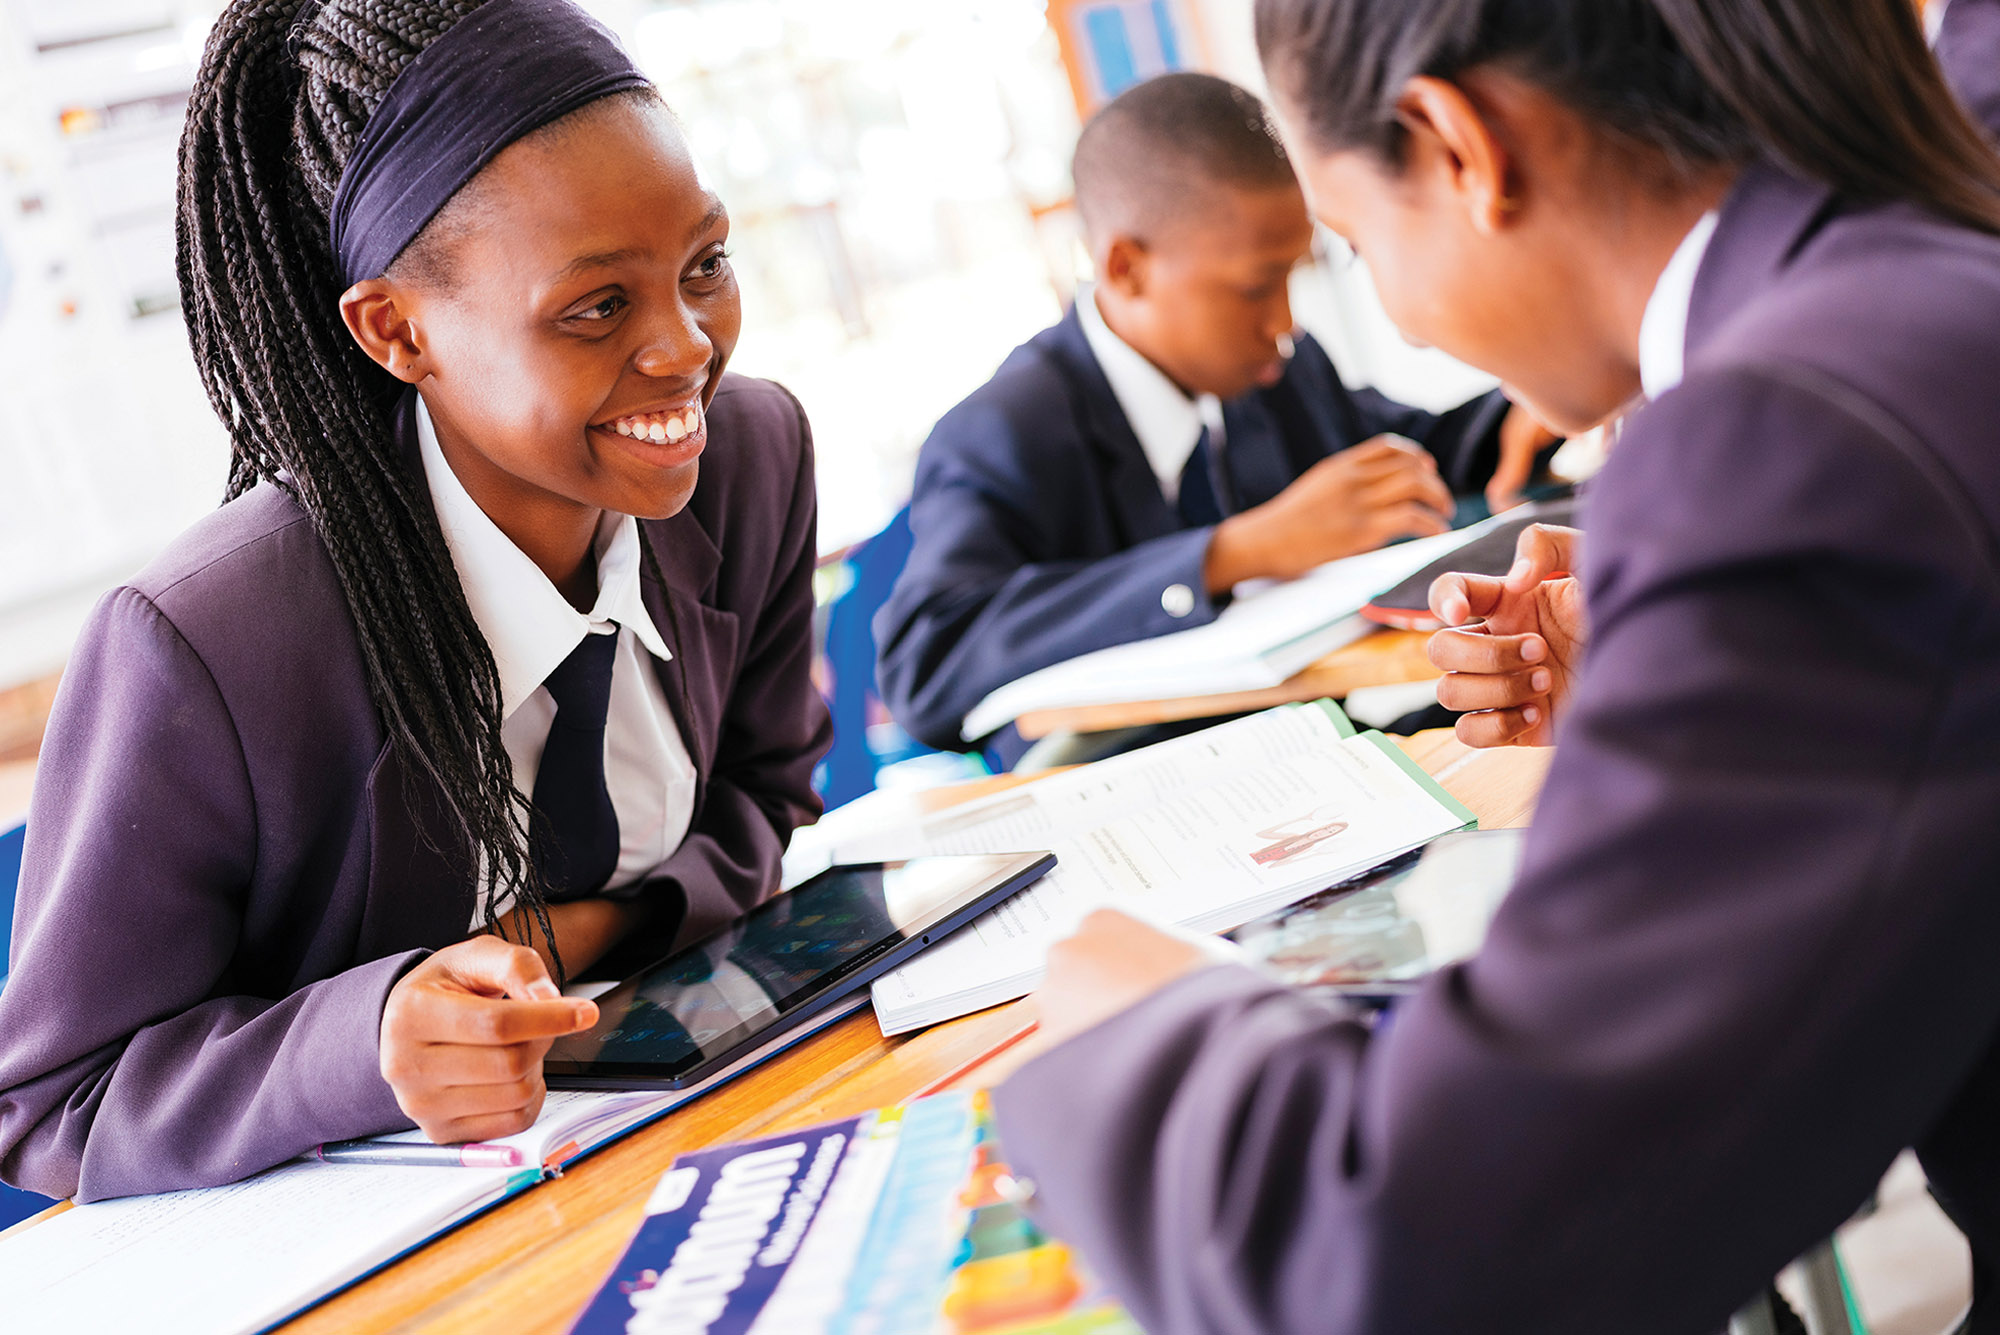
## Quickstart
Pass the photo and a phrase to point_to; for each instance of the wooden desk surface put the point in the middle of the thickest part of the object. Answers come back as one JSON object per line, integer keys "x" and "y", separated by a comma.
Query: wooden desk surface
{"x": 529, "y": 1266}
{"x": 1381, "y": 658}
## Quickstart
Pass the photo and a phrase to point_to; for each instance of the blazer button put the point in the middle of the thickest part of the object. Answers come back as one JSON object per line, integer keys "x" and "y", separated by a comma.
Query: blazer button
{"x": 1177, "y": 600}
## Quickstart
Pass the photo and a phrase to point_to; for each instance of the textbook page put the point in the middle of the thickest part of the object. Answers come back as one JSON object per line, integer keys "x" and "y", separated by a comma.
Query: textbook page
{"x": 1036, "y": 815}
{"x": 235, "y": 1258}
{"x": 1265, "y": 635}
{"x": 1210, "y": 858}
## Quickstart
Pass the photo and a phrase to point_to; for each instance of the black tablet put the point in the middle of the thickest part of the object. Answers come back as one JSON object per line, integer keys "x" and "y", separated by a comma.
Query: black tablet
{"x": 1408, "y": 605}
{"x": 783, "y": 963}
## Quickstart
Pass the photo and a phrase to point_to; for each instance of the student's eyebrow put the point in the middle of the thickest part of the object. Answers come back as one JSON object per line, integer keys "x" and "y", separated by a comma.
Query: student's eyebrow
{"x": 606, "y": 259}
{"x": 601, "y": 260}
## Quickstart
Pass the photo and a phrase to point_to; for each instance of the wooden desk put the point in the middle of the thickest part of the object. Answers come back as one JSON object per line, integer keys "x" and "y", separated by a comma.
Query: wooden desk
{"x": 1381, "y": 658}
{"x": 529, "y": 1266}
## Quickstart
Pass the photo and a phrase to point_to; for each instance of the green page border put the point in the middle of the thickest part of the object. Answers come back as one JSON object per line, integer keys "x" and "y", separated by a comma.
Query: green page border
{"x": 1331, "y": 708}
{"x": 1417, "y": 772}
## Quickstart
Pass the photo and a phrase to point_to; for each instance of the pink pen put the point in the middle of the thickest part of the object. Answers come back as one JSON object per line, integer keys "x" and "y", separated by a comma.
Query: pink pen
{"x": 397, "y": 1154}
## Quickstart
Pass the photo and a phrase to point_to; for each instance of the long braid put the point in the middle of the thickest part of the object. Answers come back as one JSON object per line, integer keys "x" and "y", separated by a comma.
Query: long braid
{"x": 267, "y": 135}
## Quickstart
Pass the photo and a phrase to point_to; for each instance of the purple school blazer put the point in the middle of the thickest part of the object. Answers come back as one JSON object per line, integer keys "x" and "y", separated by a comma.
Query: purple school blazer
{"x": 224, "y": 875}
{"x": 1752, "y": 951}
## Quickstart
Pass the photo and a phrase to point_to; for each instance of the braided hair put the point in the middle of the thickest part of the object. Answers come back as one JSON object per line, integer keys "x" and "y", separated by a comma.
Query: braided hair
{"x": 282, "y": 97}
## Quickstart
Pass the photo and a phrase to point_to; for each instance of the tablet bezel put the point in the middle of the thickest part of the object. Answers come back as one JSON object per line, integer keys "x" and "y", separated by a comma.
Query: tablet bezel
{"x": 852, "y": 974}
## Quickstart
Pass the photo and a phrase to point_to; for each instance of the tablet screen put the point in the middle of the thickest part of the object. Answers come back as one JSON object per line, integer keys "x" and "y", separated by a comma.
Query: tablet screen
{"x": 1386, "y": 931}
{"x": 720, "y": 996}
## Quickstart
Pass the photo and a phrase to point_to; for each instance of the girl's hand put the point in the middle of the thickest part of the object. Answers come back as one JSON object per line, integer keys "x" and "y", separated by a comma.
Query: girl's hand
{"x": 1512, "y": 671}
{"x": 1114, "y": 962}
{"x": 464, "y": 1034}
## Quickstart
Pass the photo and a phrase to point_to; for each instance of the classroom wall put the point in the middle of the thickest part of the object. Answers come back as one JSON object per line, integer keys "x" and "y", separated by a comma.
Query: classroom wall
{"x": 896, "y": 172}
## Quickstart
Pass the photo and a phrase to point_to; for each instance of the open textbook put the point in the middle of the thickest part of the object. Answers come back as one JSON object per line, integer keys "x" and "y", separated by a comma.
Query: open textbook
{"x": 1267, "y": 634}
{"x": 245, "y": 1257}
{"x": 1205, "y": 831}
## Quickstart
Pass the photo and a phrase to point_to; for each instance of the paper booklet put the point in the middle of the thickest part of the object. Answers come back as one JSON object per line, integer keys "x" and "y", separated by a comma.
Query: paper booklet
{"x": 1270, "y": 632}
{"x": 248, "y": 1256}
{"x": 904, "y": 1219}
{"x": 1206, "y": 831}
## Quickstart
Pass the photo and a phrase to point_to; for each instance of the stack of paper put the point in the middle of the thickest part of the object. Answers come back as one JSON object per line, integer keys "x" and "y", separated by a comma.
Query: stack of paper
{"x": 1267, "y": 634}
{"x": 1205, "y": 831}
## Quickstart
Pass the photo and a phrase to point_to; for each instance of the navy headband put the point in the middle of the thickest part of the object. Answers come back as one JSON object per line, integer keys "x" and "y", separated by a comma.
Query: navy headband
{"x": 508, "y": 68}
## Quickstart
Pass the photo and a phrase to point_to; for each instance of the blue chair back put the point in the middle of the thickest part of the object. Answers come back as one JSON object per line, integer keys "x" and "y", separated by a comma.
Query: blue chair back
{"x": 15, "y": 1205}
{"x": 865, "y": 738}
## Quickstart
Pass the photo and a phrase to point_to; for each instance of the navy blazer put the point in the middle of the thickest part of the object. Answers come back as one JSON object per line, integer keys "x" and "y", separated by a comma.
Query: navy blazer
{"x": 1041, "y": 532}
{"x": 1750, "y": 955}
{"x": 228, "y": 866}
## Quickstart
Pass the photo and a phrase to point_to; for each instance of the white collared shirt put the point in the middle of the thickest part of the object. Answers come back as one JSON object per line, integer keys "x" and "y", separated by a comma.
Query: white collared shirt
{"x": 1664, "y": 326}
{"x": 531, "y": 629}
{"x": 1167, "y": 422}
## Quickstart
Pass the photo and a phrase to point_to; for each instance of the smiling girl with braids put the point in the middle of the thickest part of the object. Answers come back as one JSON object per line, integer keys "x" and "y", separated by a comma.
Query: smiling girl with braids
{"x": 424, "y": 688}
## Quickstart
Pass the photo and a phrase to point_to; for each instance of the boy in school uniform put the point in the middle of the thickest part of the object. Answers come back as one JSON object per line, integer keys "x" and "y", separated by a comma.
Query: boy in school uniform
{"x": 1170, "y": 437}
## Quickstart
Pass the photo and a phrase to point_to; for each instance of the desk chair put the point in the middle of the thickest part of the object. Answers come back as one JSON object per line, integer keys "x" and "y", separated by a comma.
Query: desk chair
{"x": 866, "y": 740}
{"x": 14, "y": 1205}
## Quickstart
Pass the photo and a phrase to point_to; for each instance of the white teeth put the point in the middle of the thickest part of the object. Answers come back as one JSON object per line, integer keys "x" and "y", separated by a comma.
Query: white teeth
{"x": 661, "y": 428}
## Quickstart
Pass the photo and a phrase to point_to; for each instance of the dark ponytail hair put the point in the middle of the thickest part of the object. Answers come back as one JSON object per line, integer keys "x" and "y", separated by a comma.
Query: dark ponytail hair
{"x": 1841, "y": 91}
{"x": 275, "y": 114}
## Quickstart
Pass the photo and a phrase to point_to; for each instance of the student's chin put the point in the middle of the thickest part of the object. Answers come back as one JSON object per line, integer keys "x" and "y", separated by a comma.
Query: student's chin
{"x": 666, "y": 496}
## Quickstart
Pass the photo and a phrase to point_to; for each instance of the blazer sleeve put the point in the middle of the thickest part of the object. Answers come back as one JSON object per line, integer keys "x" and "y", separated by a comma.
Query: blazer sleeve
{"x": 1747, "y": 961}
{"x": 775, "y": 726}
{"x": 1968, "y": 48}
{"x": 988, "y": 594}
{"x": 126, "y": 1064}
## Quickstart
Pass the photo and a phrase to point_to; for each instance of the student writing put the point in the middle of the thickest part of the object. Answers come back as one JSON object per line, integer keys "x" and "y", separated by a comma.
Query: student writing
{"x": 1748, "y": 958}
{"x": 1171, "y": 437}
{"x": 464, "y": 304}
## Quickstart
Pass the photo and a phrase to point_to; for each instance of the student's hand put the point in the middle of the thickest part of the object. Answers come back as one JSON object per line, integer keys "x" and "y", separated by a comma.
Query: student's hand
{"x": 1522, "y": 642}
{"x": 463, "y": 1036}
{"x": 1522, "y": 438}
{"x": 1114, "y": 962}
{"x": 1354, "y": 501}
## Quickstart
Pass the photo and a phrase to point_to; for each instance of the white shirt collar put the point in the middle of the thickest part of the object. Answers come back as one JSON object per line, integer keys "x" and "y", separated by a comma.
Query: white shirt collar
{"x": 1934, "y": 19}
{"x": 1167, "y": 422}
{"x": 528, "y": 623}
{"x": 1663, "y": 328}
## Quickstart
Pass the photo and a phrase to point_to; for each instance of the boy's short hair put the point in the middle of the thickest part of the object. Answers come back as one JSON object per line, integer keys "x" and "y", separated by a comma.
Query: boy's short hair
{"x": 1146, "y": 159}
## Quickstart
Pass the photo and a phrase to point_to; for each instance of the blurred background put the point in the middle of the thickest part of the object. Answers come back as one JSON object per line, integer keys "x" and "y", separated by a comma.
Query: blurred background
{"x": 897, "y": 173}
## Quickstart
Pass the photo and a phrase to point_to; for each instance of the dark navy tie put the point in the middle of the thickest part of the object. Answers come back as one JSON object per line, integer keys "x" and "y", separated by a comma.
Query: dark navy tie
{"x": 575, "y": 843}
{"x": 1199, "y": 504}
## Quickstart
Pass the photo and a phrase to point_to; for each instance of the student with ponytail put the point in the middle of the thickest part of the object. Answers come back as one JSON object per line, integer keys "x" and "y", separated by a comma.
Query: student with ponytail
{"x": 1749, "y": 957}
{"x": 471, "y": 683}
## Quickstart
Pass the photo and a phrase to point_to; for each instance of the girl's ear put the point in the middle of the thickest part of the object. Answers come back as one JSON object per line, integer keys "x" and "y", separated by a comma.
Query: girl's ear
{"x": 1450, "y": 133}
{"x": 373, "y": 312}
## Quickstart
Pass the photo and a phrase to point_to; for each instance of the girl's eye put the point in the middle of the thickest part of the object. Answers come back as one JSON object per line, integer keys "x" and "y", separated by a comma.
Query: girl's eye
{"x": 602, "y": 310}
{"x": 713, "y": 266}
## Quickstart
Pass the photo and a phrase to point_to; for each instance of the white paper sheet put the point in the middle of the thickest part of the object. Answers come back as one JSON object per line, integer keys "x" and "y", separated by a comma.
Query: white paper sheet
{"x": 1263, "y": 637}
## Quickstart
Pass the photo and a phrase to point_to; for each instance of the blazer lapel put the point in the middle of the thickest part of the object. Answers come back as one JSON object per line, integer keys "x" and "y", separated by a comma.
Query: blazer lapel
{"x": 1766, "y": 220}
{"x": 1141, "y": 511}
{"x": 1254, "y": 453}
{"x": 701, "y": 637}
